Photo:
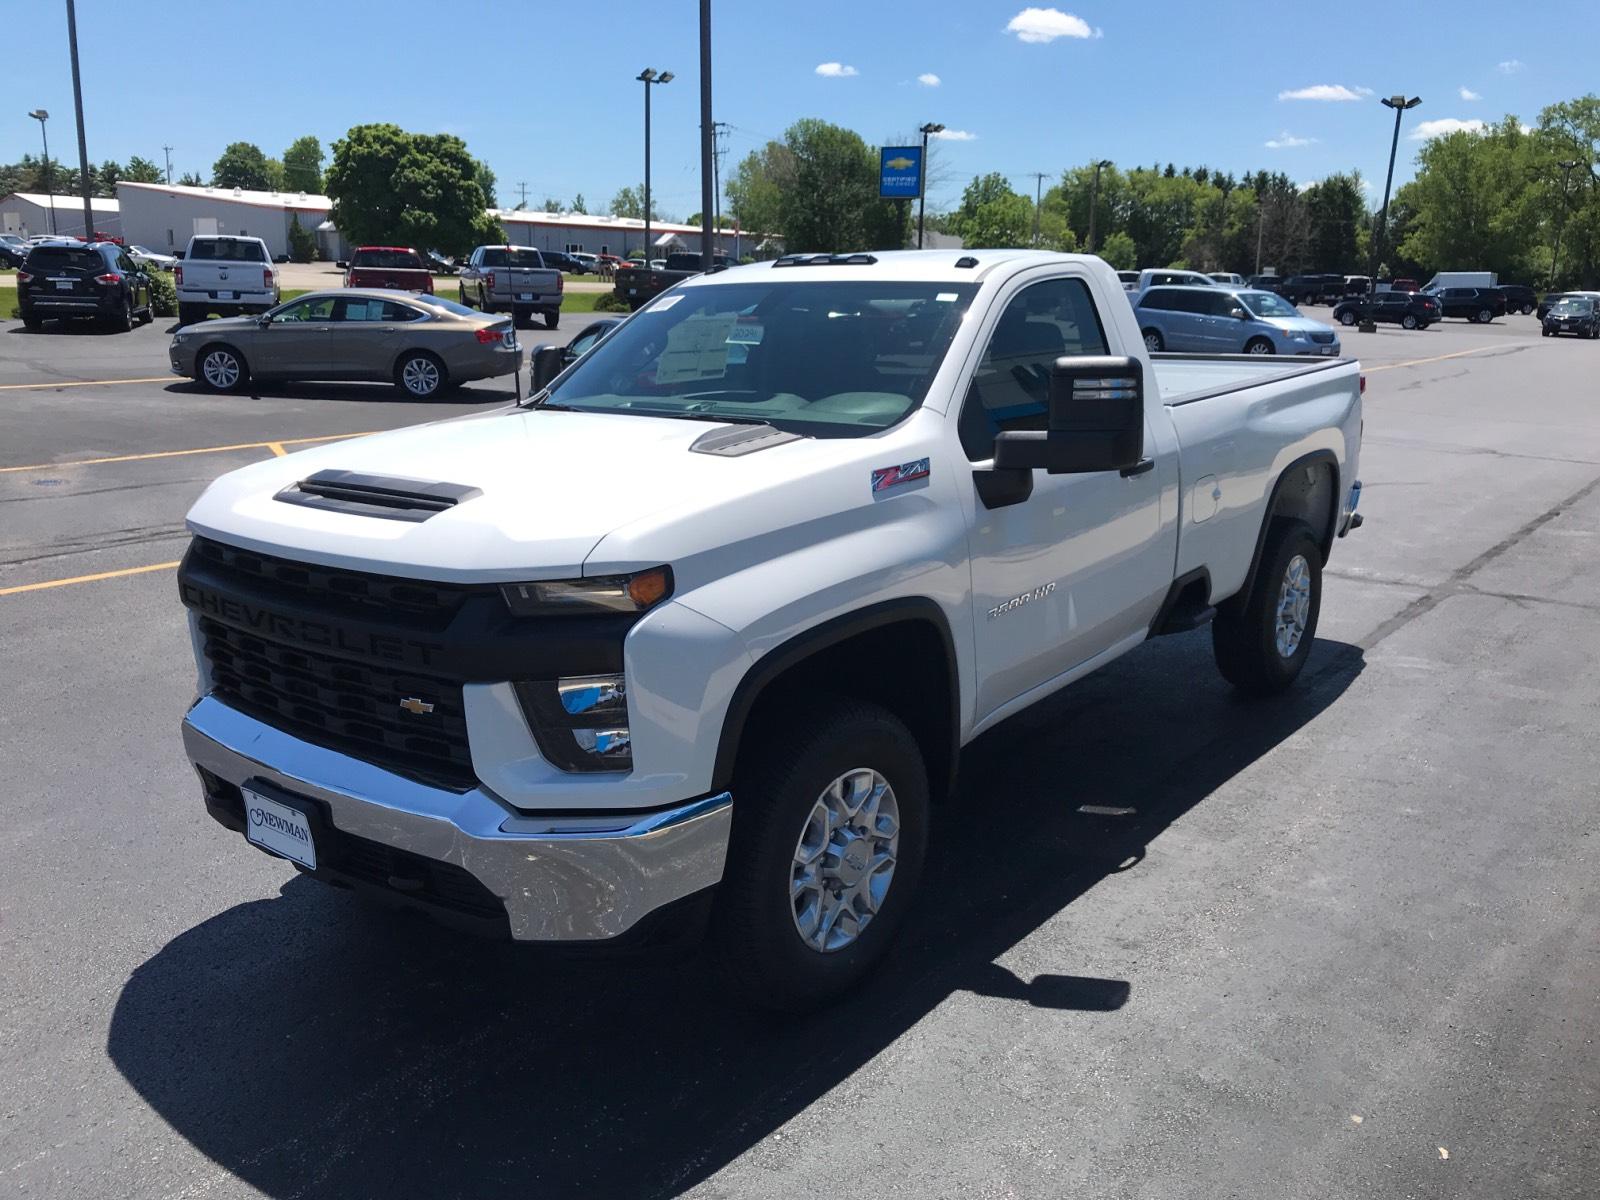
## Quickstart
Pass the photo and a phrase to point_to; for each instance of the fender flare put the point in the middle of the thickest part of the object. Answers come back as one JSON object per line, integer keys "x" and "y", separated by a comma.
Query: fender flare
{"x": 809, "y": 642}
{"x": 1324, "y": 538}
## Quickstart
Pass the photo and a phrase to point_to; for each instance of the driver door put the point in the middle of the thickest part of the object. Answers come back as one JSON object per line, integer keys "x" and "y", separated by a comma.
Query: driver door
{"x": 296, "y": 340}
{"x": 1084, "y": 562}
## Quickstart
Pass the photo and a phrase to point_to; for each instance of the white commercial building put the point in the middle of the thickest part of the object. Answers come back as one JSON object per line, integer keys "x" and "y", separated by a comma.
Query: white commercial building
{"x": 165, "y": 216}
{"x": 27, "y": 214}
{"x": 597, "y": 234}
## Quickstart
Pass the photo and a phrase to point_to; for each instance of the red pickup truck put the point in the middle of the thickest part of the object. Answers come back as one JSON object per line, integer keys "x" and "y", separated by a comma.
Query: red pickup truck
{"x": 398, "y": 267}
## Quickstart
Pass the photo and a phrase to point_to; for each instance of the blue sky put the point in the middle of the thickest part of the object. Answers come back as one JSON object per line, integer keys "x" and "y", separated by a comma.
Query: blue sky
{"x": 544, "y": 91}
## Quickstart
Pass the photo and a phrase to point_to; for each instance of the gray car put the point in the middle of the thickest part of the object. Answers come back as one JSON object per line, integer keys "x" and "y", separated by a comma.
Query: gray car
{"x": 423, "y": 344}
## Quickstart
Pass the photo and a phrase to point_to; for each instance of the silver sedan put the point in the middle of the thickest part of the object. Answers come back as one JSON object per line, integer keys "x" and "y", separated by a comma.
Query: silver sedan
{"x": 422, "y": 344}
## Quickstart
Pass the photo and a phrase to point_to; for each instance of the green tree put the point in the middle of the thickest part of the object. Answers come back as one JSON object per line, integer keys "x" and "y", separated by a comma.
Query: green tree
{"x": 302, "y": 165}
{"x": 1335, "y": 210}
{"x": 578, "y": 205}
{"x": 629, "y": 202}
{"x": 818, "y": 189}
{"x": 105, "y": 180}
{"x": 551, "y": 205}
{"x": 1120, "y": 252}
{"x": 275, "y": 174}
{"x": 242, "y": 165}
{"x": 142, "y": 170}
{"x": 992, "y": 214}
{"x": 191, "y": 179}
{"x": 302, "y": 242}
{"x": 417, "y": 189}
{"x": 755, "y": 188}
{"x": 486, "y": 183}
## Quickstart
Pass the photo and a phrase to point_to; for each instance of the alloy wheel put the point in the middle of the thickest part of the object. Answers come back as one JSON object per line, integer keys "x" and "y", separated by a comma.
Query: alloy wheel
{"x": 420, "y": 376}
{"x": 844, "y": 860}
{"x": 221, "y": 370}
{"x": 1294, "y": 606}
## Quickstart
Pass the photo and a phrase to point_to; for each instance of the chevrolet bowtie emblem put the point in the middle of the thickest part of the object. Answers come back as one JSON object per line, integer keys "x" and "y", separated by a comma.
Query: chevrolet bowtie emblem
{"x": 413, "y": 704}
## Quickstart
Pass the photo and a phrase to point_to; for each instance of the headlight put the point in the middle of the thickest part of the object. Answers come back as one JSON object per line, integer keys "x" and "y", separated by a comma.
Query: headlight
{"x": 1300, "y": 335}
{"x": 177, "y": 339}
{"x": 580, "y": 721}
{"x": 577, "y": 597}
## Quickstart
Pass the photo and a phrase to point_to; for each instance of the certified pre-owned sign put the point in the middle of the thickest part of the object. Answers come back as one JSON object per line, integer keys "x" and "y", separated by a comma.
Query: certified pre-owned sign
{"x": 900, "y": 172}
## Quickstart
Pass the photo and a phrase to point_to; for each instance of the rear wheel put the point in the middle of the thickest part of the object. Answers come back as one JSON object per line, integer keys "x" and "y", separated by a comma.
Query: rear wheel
{"x": 1347, "y": 317}
{"x": 420, "y": 375}
{"x": 461, "y": 291}
{"x": 552, "y": 318}
{"x": 1259, "y": 346}
{"x": 190, "y": 314}
{"x": 1525, "y": 309}
{"x": 1408, "y": 322}
{"x": 1153, "y": 341}
{"x": 827, "y": 844}
{"x": 221, "y": 369}
{"x": 32, "y": 323}
{"x": 1261, "y": 639}
{"x": 1484, "y": 316}
{"x": 121, "y": 321}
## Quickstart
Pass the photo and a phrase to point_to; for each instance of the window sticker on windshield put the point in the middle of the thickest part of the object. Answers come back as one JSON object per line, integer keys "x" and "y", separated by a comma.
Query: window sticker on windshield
{"x": 947, "y": 297}
{"x": 664, "y": 303}
{"x": 697, "y": 348}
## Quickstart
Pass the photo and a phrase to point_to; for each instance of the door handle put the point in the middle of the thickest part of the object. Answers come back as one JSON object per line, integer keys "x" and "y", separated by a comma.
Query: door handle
{"x": 1139, "y": 468}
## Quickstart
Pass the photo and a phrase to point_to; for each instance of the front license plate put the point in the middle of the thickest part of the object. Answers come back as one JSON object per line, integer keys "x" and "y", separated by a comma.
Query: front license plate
{"x": 1326, "y": 350}
{"x": 224, "y": 295}
{"x": 279, "y": 828}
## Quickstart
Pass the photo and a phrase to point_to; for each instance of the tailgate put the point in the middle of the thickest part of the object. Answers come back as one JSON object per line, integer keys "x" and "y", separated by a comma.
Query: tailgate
{"x": 528, "y": 281}
{"x": 67, "y": 275}
{"x": 223, "y": 279}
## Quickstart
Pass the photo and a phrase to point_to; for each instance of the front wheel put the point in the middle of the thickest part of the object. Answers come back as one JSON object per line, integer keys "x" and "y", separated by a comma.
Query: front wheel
{"x": 552, "y": 318}
{"x": 1484, "y": 316}
{"x": 32, "y": 323}
{"x": 1153, "y": 341}
{"x": 829, "y": 829}
{"x": 1347, "y": 318}
{"x": 222, "y": 370}
{"x": 1408, "y": 322}
{"x": 420, "y": 376}
{"x": 1261, "y": 639}
{"x": 1526, "y": 309}
{"x": 1259, "y": 346}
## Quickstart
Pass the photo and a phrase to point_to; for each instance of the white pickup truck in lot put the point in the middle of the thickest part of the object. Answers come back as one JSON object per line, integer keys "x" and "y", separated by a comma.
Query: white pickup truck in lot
{"x": 229, "y": 276}
{"x": 698, "y": 634}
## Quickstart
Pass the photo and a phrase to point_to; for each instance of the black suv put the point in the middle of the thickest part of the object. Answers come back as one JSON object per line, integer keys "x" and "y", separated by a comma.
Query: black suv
{"x": 1410, "y": 310}
{"x": 1578, "y": 315}
{"x": 1311, "y": 289}
{"x": 562, "y": 261}
{"x": 1480, "y": 305}
{"x": 91, "y": 279}
{"x": 1519, "y": 297}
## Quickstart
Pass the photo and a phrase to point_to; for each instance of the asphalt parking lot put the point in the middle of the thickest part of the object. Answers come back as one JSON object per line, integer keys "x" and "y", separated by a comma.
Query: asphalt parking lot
{"x": 1342, "y": 944}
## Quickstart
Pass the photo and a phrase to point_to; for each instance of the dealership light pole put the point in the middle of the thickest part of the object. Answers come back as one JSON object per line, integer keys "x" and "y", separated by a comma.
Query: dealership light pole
{"x": 1094, "y": 199}
{"x": 1399, "y": 104}
{"x": 922, "y": 177}
{"x": 1567, "y": 166}
{"x": 649, "y": 78}
{"x": 708, "y": 133}
{"x": 84, "y": 185}
{"x": 41, "y": 115}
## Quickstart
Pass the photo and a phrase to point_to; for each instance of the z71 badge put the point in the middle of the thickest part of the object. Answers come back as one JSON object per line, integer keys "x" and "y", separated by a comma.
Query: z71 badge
{"x": 884, "y": 478}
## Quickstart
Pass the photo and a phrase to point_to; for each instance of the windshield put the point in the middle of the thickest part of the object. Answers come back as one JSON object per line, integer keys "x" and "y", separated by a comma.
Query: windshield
{"x": 1266, "y": 304}
{"x": 498, "y": 257}
{"x": 837, "y": 359}
{"x": 226, "y": 250}
{"x": 1575, "y": 308}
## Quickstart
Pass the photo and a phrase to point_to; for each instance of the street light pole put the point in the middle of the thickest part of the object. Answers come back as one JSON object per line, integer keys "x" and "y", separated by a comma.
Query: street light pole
{"x": 1094, "y": 200}
{"x": 42, "y": 115}
{"x": 649, "y": 78}
{"x": 922, "y": 177}
{"x": 1038, "y": 199}
{"x": 1561, "y": 219}
{"x": 1399, "y": 104}
{"x": 84, "y": 185}
{"x": 708, "y": 133}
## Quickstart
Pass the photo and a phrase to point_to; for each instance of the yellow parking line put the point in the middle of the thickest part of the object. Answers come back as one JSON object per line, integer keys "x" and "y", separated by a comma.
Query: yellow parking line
{"x": 1417, "y": 362}
{"x": 55, "y": 583}
{"x": 17, "y": 387}
{"x": 276, "y": 447}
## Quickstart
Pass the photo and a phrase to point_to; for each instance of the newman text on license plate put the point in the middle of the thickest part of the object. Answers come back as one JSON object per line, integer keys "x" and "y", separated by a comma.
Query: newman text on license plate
{"x": 279, "y": 828}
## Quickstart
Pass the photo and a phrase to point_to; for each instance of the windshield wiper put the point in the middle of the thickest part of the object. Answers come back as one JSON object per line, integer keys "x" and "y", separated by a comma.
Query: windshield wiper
{"x": 685, "y": 415}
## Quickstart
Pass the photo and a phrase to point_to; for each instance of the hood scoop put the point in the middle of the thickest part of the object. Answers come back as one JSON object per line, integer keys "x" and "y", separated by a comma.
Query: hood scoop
{"x": 390, "y": 497}
{"x": 741, "y": 440}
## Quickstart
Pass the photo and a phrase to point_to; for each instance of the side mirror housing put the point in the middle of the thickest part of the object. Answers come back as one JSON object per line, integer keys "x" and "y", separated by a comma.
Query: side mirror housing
{"x": 342, "y": 264}
{"x": 264, "y": 320}
{"x": 1238, "y": 314}
{"x": 547, "y": 363}
{"x": 1095, "y": 422}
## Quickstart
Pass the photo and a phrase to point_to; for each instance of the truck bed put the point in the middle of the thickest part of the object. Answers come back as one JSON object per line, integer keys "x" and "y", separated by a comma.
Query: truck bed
{"x": 1182, "y": 378}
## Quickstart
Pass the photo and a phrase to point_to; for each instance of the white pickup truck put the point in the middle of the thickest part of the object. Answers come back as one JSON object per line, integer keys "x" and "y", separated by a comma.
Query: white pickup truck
{"x": 225, "y": 275}
{"x": 698, "y": 634}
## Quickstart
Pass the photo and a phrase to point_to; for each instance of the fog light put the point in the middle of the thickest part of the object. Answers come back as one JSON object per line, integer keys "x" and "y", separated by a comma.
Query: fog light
{"x": 579, "y": 721}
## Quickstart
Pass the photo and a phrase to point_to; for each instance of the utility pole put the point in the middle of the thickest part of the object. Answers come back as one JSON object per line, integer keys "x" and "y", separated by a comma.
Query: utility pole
{"x": 167, "y": 150}
{"x": 522, "y": 193}
{"x": 708, "y": 134}
{"x": 719, "y": 147}
{"x": 1038, "y": 197}
{"x": 1400, "y": 104}
{"x": 1561, "y": 219}
{"x": 922, "y": 177}
{"x": 1094, "y": 200}
{"x": 1261, "y": 226}
{"x": 77, "y": 101}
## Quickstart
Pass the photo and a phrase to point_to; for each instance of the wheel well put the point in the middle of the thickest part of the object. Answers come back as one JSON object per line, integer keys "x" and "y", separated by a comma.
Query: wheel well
{"x": 221, "y": 345}
{"x": 903, "y": 662}
{"x": 444, "y": 371}
{"x": 1308, "y": 490}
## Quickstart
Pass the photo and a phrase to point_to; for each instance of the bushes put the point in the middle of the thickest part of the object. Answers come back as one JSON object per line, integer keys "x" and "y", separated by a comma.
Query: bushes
{"x": 302, "y": 242}
{"x": 611, "y": 302}
{"x": 163, "y": 293}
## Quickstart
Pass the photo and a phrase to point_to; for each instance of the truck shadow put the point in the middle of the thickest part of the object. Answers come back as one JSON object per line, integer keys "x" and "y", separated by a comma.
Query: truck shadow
{"x": 313, "y": 1047}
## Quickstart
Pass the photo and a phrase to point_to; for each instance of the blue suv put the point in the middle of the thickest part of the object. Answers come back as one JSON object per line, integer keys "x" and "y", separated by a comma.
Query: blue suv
{"x": 1215, "y": 320}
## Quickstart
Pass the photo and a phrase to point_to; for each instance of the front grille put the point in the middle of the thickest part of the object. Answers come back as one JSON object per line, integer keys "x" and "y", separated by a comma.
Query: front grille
{"x": 332, "y": 586}
{"x": 1323, "y": 339}
{"x": 350, "y": 706}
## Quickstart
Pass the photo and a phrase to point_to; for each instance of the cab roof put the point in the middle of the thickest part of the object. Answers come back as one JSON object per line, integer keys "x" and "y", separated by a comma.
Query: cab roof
{"x": 938, "y": 266}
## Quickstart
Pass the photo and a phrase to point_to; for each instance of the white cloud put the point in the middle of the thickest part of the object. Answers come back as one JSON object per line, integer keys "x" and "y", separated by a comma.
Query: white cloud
{"x": 1305, "y": 185}
{"x": 1048, "y": 24}
{"x": 833, "y": 70}
{"x": 929, "y": 79}
{"x": 954, "y": 135}
{"x": 1326, "y": 91}
{"x": 1526, "y": 129}
{"x": 1467, "y": 93}
{"x": 1444, "y": 125}
{"x": 1287, "y": 141}
{"x": 1510, "y": 67}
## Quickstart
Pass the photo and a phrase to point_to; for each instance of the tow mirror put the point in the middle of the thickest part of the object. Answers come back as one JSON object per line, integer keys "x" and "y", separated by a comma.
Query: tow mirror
{"x": 1095, "y": 422}
{"x": 547, "y": 363}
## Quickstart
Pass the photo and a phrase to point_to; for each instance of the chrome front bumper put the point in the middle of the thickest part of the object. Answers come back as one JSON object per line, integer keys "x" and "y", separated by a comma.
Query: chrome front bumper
{"x": 561, "y": 878}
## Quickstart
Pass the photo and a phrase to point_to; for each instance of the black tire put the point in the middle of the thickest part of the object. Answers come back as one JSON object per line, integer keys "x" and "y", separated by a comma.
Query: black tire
{"x": 121, "y": 321}
{"x": 1525, "y": 309}
{"x": 219, "y": 377}
{"x": 552, "y": 318}
{"x": 1347, "y": 317}
{"x": 779, "y": 781}
{"x": 1408, "y": 322}
{"x": 1153, "y": 341}
{"x": 1544, "y": 333}
{"x": 1484, "y": 316}
{"x": 1259, "y": 345}
{"x": 190, "y": 314}
{"x": 420, "y": 376}
{"x": 461, "y": 290}
{"x": 1244, "y": 635}
{"x": 32, "y": 323}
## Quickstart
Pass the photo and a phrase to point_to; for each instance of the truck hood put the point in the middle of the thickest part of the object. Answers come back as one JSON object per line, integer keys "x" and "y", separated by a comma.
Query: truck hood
{"x": 549, "y": 486}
